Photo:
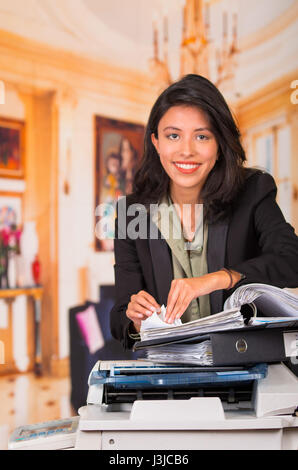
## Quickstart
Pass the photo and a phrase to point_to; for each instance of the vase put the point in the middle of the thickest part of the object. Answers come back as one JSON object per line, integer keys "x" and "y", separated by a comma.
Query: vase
{"x": 4, "y": 271}
{"x": 29, "y": 249}
{"x": 20, "y": 269}
{"x": 36, "y": 270}
{"x": 1, "y": 271}
{"x": 11, "y": 271}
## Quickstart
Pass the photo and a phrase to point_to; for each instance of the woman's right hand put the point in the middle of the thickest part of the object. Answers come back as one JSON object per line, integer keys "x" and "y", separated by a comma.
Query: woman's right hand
{"x": 140, "y": 307}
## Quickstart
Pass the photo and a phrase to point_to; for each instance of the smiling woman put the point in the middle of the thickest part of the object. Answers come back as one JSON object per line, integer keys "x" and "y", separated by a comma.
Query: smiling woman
{"x": 191, "y": 117}
{"x": 193, "y": 156}
{"x": 188, "y": 151}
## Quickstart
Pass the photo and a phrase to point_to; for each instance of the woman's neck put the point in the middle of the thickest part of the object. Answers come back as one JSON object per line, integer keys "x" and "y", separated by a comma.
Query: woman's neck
{"x": 184, "y": 196}
{"x": 188, "y": 210}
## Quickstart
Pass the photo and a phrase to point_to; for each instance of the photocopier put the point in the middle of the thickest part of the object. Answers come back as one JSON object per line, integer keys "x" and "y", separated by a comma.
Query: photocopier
{"x": 138, "y": 405}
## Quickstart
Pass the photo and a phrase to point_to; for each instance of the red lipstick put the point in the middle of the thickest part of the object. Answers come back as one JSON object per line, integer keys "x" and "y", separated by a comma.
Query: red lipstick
{"x": 187, "y": 167}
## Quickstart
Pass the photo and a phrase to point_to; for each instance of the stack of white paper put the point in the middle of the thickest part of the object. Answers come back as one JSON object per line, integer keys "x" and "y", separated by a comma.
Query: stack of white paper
{"x": 154, "y": 327}
{"x": 271, "y": 300}
{"x": 199, "y": 354}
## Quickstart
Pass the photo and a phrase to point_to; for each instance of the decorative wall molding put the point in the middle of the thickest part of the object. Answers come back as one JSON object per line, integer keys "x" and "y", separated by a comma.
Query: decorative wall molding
{"x": 271, "y": 30}
{"x": 273, "y": 99}
{"x": 41, "y": 68}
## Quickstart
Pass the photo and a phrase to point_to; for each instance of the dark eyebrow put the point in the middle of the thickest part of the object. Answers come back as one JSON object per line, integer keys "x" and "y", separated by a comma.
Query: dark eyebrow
{"x": 196, "y": 130}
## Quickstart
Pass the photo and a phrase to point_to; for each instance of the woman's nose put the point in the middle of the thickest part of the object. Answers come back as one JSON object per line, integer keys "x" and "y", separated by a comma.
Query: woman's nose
{"x": 187, "y": 147}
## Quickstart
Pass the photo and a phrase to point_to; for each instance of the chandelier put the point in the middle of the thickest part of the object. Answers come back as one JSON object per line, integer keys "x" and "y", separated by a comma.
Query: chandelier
{"x": 199, "y": 53}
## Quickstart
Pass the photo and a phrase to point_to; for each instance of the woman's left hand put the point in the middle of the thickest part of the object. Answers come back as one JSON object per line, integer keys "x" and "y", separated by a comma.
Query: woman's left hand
{"x": 184, "y": 290}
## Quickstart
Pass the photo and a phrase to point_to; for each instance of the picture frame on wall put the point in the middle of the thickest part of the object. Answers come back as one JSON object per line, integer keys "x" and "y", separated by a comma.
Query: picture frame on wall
{"x": 11, "y": 209}
{"x": 12, "y": 148}
{"x": 118, "y": 150}
{"x": 11, "y": 221}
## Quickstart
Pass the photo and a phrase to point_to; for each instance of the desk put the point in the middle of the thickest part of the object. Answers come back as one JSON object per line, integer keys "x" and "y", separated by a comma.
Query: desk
{"x": 35, "y": 293}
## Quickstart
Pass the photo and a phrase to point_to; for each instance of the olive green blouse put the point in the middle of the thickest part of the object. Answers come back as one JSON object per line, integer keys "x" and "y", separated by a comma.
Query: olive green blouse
{"x": 189, "y": 258}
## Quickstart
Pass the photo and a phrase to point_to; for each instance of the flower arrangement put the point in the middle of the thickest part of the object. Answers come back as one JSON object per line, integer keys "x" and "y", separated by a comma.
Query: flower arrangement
{"x": 9, "y": 244}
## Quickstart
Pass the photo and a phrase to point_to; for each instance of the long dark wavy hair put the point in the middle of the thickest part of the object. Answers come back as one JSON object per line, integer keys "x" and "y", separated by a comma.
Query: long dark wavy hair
{"x": 151, "y": 182}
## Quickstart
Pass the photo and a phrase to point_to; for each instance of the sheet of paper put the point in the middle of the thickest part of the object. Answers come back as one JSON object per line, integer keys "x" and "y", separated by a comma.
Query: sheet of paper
{"x": 199, "y": 354}
{"x": 291, "y": 343}
{"x": 270, "y": 300}
{"x": 156, "y": 327}
{"x": 158, "y": 321}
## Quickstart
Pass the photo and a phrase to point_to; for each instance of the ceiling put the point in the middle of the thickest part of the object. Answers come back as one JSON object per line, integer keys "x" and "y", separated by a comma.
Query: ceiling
{"x": 120, "y": 31}
{"x": 114, "y": 24}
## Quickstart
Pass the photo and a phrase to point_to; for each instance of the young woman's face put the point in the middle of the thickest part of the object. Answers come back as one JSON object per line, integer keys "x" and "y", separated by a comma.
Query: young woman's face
{"x": 186, "y": 146}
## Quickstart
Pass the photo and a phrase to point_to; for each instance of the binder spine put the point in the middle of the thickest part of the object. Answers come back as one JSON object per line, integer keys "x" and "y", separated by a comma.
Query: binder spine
{"x": 247, "y": 347}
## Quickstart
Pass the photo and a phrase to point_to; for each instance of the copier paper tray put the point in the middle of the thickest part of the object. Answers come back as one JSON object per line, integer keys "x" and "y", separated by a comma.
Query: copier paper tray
{"x": 127, "y": 384}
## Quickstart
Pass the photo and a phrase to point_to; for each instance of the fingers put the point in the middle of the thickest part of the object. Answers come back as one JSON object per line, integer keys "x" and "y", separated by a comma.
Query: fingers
{"x": 172, "y": 302}
{"x": 141, "y": 306}
{"x": 150, "y": 302}
{"x": 144, "y": 303}
{"x": 178, "y": 300}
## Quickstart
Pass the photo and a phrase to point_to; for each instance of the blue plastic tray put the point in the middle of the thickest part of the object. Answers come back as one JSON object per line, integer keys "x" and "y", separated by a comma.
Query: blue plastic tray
{"x": 118, "y": 378}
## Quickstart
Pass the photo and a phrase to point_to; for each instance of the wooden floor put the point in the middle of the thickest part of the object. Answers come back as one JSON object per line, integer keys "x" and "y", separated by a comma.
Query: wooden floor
{"x": 26, "y": 399}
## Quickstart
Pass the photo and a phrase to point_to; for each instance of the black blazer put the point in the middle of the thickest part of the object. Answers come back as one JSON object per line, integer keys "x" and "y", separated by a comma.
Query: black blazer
{"x": 254, "y": 240}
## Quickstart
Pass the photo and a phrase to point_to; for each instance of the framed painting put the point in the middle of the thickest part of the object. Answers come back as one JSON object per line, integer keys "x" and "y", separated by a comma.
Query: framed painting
{"x": 11, "y": 209}
{"x": 12, "y": 148}
{"x": 10, "y": 231}
{"x": 118, "y": 150}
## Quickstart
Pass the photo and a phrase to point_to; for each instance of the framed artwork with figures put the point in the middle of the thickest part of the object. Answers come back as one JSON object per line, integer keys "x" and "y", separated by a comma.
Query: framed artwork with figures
{"x": 11, "y": 209}
{"x": 118, "y": 150}
{"x": 10, "y": 231}
{"x": 12, "y": 148}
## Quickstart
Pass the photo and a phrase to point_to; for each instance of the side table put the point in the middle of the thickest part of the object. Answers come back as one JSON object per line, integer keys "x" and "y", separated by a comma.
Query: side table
{"x": 35, "y": 293}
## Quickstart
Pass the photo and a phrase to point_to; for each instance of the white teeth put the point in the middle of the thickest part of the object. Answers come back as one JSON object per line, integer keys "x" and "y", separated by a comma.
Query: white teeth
{"x": 186, "y": 166}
